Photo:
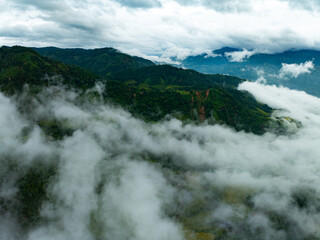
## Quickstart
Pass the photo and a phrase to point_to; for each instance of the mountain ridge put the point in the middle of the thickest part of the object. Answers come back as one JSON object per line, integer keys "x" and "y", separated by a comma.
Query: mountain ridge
{"x": 102, "y": 61}
{"x": 161, "y": 91}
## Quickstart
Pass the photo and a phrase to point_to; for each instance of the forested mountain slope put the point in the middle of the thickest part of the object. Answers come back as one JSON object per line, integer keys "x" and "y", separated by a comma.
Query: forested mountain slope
{"x": 151, "y": 92}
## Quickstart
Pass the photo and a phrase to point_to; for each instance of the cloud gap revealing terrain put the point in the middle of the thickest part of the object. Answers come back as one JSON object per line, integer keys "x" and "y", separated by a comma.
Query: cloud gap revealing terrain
{"x": 97, "y": 144}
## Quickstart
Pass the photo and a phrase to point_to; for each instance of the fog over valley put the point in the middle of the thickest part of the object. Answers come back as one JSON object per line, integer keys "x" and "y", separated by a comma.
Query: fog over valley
{"x": 112, "y": 176}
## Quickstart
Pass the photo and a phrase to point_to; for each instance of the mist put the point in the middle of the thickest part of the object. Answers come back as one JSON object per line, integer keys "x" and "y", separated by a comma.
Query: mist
{"x": 73, "y": 168}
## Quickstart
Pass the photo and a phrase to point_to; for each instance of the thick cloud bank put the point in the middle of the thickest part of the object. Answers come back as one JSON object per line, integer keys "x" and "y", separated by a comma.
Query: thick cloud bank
{"x": 95, "y": 172}
{"x": 162, "y": 28}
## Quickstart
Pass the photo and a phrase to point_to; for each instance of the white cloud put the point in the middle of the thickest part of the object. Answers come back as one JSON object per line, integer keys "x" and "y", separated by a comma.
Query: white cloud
{"x": 295, "y": 70}
{"x": 239, "y": 56}
{"x": 212, "y": 55}
{"x": 310, "y": 5}
{"x": 120, "y": 178}
{"x": 188, "y": 26}
{"x": 140, "y": 186}
{"x": 261, "y": 76}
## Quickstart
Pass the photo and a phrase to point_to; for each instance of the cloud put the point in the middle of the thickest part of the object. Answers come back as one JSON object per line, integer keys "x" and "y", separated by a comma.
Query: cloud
{"x": 212, "y": 55}
{"x": 148, "y": 185}
{"x": 140, "y": 3}
{"x": 197, "y": 26}
{"x": 221, "y": 6}
{"x": 118, "y": 177}
{"x": 43, "y": 5}
{"x": 261, "y": 76}
{"x": 83, "y": 162}
{"x": 311, "y": 5}
{"x": 239, "y": 56}
{"x": 295, "y": 70}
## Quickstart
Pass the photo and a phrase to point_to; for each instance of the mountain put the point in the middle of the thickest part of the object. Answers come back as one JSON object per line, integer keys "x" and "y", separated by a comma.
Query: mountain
{"x": 21, "y": 65}
{"x": 151, "y": 93}
{"x": 69, "y": 154}
{"x": 296, "y": 69}
{"x": 166, "y": 76}
{"x": 102, "y": 61}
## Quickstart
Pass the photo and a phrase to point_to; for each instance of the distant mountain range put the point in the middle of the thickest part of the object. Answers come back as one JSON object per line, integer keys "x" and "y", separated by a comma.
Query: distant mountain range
{"x": 296, "y": 69}
{"x": 148, "y": 91}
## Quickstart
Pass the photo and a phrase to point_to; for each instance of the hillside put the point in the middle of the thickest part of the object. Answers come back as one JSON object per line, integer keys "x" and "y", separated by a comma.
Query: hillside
{"x": 21, "y": 65}
{"x": 103, "y": 61}
{"x": 166, "y": 76}
{"x": 73, "y": 136}
{"x": 151, "y": 93}
{"x": 110, "y": 63}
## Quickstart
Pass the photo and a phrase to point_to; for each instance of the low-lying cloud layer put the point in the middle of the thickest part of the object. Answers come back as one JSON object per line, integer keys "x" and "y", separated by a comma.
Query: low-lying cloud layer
{"x": 111, "y": 176}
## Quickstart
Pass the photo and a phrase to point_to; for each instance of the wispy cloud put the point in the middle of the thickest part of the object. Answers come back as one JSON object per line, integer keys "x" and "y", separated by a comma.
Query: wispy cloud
{"x": 239, "y": 56}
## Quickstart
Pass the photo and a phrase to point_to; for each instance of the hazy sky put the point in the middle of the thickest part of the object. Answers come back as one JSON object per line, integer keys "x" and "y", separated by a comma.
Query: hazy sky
{"x": 162, "y": 27}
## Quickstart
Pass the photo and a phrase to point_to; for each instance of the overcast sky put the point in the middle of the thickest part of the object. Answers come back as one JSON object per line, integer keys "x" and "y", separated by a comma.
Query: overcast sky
{"x": 162, "y": 27}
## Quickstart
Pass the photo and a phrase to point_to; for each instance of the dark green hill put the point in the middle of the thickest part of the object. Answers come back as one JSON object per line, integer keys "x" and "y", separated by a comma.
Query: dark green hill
{"x": 102, "y": 61}
{"x": 151, "y": 93}
{"x": 114, "y": 65}
{"x": 21, "y": 65}
{"x": 228, "y": 106}
{"x": 166, "y": 76}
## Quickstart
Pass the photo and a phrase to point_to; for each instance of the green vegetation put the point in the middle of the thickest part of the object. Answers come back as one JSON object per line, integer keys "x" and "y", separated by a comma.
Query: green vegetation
{"x": 151, "y": 92}
{"x": 166, "y": 76}
{"x": 32, "y": 192}
{"x": 216, "y": 105}
{"x": 20, "y": 66}
{"x": 55, "y": 129}
{"x": 103, "y": 61}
